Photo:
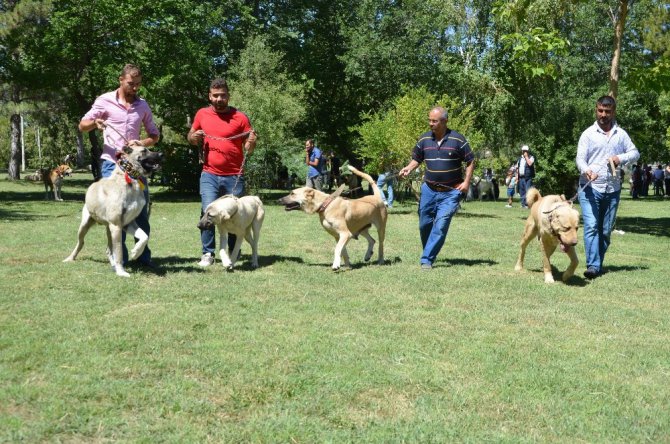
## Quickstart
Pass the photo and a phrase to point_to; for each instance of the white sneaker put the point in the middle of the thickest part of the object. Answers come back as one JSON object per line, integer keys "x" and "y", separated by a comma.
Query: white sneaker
{"x": 508, "y": 206}
{"x": 206, "y": 260}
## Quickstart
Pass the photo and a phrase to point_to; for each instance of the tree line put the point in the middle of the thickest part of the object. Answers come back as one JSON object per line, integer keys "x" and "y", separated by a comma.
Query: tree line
{"x": 358, "y": 76}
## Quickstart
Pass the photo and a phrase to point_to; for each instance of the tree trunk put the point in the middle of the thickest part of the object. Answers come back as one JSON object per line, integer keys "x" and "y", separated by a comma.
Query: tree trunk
{"x": 619, "y": 27}
{"x": 14, "y": 170}
{"x": 80, "y": 149}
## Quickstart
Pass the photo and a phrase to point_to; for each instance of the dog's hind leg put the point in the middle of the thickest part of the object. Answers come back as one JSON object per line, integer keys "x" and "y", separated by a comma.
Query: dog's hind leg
{"x": 86, "y": 223}
{"x": 371, "y": 244}
{"x": 528, "y": 235}
{"x": 142, "y": 239}
{"x": 253, "y": 235}
{"x": 381, "y": 234}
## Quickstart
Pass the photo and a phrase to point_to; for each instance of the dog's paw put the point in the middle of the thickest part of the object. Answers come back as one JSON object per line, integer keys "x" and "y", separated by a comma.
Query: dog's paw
{"x": 566, "y": 276}
{"x": 122, "y": 273}
{"x": 548, "y": 279}
{"x": 68, "y": 259}
{"x": 230, "y": 268}
{"x": 518, "y": 267}
{"x": 367, "y": 257}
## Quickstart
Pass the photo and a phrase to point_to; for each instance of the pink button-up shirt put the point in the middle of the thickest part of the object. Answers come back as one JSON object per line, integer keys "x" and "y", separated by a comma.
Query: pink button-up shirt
{"x": 128, "y": 122}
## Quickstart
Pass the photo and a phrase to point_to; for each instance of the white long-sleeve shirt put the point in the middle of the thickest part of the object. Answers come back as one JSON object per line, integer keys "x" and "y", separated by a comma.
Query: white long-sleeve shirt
{"x": 593, "y": 150}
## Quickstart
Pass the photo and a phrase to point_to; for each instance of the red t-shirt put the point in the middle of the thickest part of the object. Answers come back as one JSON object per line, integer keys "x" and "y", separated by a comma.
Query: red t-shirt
{"x": 222, "y": 157}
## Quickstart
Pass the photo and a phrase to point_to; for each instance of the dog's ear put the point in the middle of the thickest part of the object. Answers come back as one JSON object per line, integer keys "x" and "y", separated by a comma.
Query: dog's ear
{"x": 309, "y": 193}
{"x": 563, "y": 197}
{"x": 128, "y": 150}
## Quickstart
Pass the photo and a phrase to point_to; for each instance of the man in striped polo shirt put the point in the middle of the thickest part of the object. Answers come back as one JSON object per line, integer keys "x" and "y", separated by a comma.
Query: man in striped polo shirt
{"x": 443, "y": 151}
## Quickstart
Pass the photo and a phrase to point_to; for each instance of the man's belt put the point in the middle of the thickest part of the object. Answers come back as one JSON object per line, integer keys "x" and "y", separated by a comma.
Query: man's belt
{"x": 439, "y": 187}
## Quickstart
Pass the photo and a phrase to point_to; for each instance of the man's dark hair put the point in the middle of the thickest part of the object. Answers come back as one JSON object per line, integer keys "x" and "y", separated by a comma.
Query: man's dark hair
{"x": 607, "y": 101}
{"x": 219, "y": 83}
{"x": 131, "y": 69}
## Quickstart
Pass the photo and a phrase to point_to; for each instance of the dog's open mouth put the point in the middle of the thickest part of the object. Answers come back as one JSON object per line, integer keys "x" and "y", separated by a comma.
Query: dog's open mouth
{"x": 564, "y": 248}
{"x": 291, "y": 206}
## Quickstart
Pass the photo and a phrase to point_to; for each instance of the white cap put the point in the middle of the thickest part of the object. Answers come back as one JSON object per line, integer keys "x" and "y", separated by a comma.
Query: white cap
{"x": 524, "y": 148}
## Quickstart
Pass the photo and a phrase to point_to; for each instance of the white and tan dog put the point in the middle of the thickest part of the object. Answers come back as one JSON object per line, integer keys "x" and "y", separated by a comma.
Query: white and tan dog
{"x": 115, "y": 202}
{"x": 555, "y": 222}
{"x": 344, "y": 218}
{"x": 53, "y": 180}
{"x": 241, "y": 216}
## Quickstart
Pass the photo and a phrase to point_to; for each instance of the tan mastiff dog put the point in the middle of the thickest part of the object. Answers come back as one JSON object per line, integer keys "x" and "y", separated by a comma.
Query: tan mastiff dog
{"x": 555, "y": 222}
{"x": 344, "y": 218}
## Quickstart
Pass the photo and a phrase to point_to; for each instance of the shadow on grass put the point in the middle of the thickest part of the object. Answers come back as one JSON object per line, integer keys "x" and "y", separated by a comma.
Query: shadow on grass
{"x": 641, "y": 225}
{"x": 359, "y": 264}
{"x": 466, "y": 262}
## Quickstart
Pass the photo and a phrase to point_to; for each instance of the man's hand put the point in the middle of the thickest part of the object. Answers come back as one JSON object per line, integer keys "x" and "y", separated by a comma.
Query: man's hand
{"x": 615, "y": 159}
{"x": 252, "y": 136}
{"x": 463, "y": 187}
{"x": 196, "y": 137}
{"x": 590, "y": 175}
{"x": 100, "y": 124}
{"x": 405, "y": 172}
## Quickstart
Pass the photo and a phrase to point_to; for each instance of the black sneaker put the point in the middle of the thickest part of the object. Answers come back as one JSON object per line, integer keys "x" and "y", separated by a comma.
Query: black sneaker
{"x": 591, "y": 273}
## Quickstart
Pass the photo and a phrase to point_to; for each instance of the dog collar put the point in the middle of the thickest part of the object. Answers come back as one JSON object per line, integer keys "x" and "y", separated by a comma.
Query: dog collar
{"x": 130, "y": 173}
{"x": 330, "y": 198}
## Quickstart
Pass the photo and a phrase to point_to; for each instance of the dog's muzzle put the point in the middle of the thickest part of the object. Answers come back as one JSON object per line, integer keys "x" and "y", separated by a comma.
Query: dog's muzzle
{"x": 289, "y": 205}
{"x": 152, "y": 162}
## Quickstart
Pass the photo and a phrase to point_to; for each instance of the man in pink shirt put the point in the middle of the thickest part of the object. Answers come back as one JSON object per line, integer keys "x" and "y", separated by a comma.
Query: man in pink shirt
{"x": 227, "y": 138}
{"x": 120, "y": 115}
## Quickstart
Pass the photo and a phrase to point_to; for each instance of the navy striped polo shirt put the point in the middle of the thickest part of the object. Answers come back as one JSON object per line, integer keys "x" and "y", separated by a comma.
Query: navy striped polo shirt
{"x": 444, "y": 160}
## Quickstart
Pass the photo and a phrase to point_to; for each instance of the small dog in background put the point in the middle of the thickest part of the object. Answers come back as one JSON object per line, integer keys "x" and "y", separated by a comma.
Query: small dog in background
{"x": 241, "y": 216}
{"x": 53, "y": 180}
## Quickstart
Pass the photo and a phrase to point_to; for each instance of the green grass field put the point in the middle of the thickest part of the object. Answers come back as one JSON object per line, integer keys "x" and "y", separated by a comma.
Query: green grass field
{"x": 293, "y": 352}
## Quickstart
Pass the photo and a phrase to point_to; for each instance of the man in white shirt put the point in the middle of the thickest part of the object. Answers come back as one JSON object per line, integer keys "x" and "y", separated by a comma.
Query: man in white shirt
{"x": 600, "y": 187}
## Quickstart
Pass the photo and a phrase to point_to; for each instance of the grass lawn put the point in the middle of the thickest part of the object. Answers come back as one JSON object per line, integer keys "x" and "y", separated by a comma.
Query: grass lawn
{"x": 293, "y": 352}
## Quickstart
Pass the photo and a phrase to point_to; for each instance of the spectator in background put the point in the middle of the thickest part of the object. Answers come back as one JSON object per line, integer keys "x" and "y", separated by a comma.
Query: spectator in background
{"x": 525, "y": 168}
{"x": 666, "y": 174}
{"x": 510, "y": 181}
{"x": 635, "y": 182}
{"x": 314, "y": 161}
{"x": 658, "y": 180}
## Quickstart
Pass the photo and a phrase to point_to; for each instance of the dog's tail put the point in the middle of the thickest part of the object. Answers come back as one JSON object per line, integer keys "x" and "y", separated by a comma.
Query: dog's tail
{"x": 367, "y": 178}
{"x": 532, "y": 196}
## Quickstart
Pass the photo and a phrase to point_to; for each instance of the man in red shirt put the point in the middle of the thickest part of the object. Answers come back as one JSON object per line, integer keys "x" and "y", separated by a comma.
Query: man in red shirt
{"x": 227, "y": 138}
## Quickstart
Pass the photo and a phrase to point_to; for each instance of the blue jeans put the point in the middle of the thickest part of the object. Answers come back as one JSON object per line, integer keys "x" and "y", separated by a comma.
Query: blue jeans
{"x": 599, "y": 213}
{"x": 435, "y": 211}
{"x": 524, "y": 185}
{"x": 142, "y": 220}
{"x": 386, "y": 179}
{"x": 211, "y": 188}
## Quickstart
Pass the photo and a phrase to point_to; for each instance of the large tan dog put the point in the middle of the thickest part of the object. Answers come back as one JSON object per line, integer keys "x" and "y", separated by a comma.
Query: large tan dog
{"x": 115, "y": 202}
{"x": 344, "y": 218}
{"x": 53, "y": 180}
{"x": 553, "y": 220}
{"x": 241, "y": 216}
